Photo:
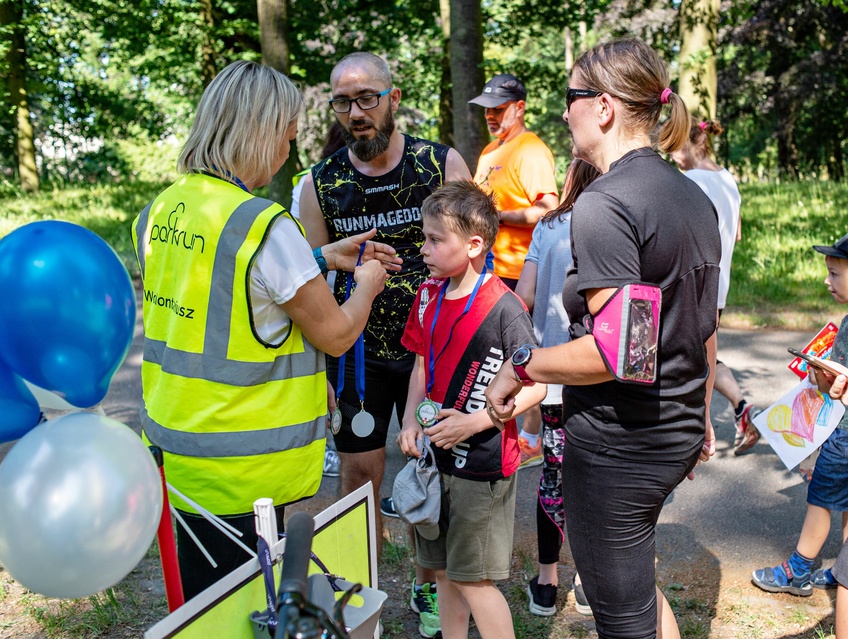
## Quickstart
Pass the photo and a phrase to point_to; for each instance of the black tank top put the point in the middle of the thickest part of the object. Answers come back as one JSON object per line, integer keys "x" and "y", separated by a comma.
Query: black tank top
{"x": 353, "y": 203}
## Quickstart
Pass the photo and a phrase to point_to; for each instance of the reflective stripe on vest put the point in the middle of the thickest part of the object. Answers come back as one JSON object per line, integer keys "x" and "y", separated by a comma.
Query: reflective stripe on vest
{"x": 256, "y": 442}
{"x": 190, "y": 397}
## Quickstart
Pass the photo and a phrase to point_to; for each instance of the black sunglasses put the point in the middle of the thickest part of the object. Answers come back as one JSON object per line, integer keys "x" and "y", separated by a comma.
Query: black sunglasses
{"x": 572, "y": 94}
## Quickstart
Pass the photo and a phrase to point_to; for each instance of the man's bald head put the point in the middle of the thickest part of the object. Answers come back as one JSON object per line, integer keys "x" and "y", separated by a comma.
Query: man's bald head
{"x": 373, "y": 64}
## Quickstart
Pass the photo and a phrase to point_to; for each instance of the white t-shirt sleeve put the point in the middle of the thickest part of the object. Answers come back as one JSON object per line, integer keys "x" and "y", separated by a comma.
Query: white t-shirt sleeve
{"x": 283, "y": 265}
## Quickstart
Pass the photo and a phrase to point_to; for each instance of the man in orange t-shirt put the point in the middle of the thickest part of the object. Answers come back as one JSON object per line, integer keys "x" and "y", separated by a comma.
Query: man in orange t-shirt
{"x": 518, "y": 168}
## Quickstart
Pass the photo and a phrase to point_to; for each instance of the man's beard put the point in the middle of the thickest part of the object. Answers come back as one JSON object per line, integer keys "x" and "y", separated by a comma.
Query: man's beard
{"x": 367, "y": 150}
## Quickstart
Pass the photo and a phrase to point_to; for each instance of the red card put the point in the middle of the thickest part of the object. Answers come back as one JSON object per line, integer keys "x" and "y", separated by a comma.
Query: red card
{"x": 820, "y": 346}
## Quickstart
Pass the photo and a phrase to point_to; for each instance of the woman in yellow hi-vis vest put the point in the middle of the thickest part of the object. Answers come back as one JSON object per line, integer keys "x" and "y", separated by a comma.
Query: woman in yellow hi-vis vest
{"x": 237, "y": 318}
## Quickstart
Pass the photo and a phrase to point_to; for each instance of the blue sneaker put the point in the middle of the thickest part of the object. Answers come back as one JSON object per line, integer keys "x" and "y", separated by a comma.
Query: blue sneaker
{"x": 823, "y": 579}
{"x": 781, "y": 579}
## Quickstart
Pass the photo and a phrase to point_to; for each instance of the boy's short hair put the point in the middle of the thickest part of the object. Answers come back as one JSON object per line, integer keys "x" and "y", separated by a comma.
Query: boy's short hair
{"x": 465, "y": 209}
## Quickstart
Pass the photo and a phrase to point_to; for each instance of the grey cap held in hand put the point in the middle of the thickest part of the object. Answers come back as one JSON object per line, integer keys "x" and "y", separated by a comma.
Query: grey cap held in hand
{"x": 417, "y": 492}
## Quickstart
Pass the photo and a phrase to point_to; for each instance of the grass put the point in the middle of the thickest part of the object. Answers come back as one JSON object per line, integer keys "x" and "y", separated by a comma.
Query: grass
{"x": 776, "y": 279}
{"x": 105, "y": 209}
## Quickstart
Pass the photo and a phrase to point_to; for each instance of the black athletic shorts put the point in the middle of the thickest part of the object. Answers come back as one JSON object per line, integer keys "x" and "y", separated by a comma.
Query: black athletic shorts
{"x": 386, "y": 387}
{"x": 611, "y": 510}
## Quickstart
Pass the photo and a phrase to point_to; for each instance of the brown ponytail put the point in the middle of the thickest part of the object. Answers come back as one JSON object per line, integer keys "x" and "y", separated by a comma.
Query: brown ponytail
{"x": 633, "y": 72}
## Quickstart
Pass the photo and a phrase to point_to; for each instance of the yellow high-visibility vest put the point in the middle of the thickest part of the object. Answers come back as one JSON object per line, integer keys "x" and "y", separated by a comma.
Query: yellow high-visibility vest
{"x": 237, "y": 418}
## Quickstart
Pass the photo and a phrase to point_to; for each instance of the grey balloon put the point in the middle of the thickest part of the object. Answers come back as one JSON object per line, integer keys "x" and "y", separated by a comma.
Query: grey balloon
{"x": 80, "y": 502}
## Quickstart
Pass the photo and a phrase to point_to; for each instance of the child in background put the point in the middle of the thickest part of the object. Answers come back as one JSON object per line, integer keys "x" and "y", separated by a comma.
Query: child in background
{"x": 540, "y": 286}
{"x": 696, "y": 161}
{"x": 828, "y": 489}
{"x": 464, "y": 323}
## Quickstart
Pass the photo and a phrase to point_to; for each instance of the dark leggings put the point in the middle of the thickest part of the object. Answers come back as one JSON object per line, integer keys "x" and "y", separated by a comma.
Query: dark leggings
{"x": 550, "y": 519}
{"x": 196, "y": 573}
{"x": 549, "y": 537}
{"x": 611, "y": 507}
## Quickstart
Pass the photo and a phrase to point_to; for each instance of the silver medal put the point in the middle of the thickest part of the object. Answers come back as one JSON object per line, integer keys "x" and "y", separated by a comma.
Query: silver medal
{"x": 362, "y": 424}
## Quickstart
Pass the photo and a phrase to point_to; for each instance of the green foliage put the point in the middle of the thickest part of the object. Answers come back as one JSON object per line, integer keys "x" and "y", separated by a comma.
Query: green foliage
{"x": 774, "y": 264}
{"x": 106, "y": 209}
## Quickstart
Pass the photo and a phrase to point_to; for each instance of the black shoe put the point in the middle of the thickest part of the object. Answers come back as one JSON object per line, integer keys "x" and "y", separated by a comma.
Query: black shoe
{"x": 542, "y": 598}
{"x": 387, "y": 507}
{"x": 580, "y": 601}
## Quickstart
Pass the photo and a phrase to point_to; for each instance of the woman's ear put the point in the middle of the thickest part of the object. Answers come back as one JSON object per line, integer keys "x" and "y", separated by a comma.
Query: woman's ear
{"x": 606, "y": 109}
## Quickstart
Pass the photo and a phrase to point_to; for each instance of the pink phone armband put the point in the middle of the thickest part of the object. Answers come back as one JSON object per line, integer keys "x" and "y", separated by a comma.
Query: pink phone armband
{"x": 627, "y": 330}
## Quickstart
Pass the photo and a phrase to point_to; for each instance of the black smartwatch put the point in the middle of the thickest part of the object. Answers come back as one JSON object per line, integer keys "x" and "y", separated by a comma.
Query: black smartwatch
{"x": 520, "y": 358}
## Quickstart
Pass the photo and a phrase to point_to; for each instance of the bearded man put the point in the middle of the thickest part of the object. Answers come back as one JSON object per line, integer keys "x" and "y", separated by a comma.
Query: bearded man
{"x": 378, "y": 180}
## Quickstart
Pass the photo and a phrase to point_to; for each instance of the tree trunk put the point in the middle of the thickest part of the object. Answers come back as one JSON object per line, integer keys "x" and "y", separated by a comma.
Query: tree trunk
{"x": 445, "y": 102}
{"x": 698, "y": 34}
{"x": 569, "y": 51}
{"x": 11, "y": 18}
{"x": 466, "y": 64}
{"x": 208, "y": 69}
{"x": 276, "y": 53}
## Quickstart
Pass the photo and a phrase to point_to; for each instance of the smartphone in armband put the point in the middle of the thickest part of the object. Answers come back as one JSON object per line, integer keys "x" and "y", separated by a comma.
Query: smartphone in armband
{"x": 818, "y": 362}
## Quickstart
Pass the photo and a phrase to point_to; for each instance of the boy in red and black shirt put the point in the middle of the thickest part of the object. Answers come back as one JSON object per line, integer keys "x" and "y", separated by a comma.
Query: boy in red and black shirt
{"x": 462, "y": 326}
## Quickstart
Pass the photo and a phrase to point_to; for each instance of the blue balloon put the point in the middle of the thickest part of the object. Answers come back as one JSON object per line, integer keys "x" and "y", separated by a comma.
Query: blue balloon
{"x": 19, "y": 412}
{"x": 68, "y": 311}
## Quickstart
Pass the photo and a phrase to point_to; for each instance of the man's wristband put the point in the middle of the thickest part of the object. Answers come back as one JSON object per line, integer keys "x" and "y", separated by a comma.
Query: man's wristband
{"x": 319, "y": 257}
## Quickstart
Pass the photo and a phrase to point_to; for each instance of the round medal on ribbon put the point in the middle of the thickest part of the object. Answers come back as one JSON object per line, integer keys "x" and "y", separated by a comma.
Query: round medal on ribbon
{"x": 425, "y": 413}
{"x": 362, "y": 424}
{"x": 336, "y": 421}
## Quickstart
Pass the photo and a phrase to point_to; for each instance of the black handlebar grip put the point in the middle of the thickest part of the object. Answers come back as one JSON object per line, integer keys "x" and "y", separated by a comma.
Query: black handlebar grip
{"x": 299, "y": 530}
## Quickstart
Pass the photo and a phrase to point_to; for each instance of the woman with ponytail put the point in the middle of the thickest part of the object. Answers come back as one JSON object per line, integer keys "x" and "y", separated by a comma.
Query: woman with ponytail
{"x": 627, "y": 445}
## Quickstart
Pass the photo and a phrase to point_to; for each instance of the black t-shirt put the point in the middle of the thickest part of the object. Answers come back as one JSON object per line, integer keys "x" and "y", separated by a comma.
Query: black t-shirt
{"x": 353, "y": 203}
{"x": 643, "y": 221}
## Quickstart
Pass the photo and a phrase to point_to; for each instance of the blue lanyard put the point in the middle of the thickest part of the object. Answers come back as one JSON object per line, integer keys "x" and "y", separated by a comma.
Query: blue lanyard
{"x": 228, "y": 176}
{"x": 431, "y": 367}
{"x": 358, "y": 348}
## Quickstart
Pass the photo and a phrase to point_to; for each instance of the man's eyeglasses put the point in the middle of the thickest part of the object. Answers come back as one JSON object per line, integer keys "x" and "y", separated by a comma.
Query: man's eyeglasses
{"x": 572, "y": 94}
{"x": 364, "y": 102}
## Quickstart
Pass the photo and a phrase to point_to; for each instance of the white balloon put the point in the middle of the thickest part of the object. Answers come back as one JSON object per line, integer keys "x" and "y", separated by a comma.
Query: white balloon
{"x": 80, "y": 502}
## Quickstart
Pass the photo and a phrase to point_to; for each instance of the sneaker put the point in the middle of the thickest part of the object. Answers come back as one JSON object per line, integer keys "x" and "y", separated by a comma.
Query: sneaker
{"x": 580, "y": 601}
{"x": 530, "y": 456}
{"x": 746, "y": 433}
{"x": 387, "y": 507}
{"x": 823, "y": 579}
{"x": 424, "y": 602}
{"x": 542, "y": 598}
{"x": 332, "y": 463}
{"x": 781, "y": 579}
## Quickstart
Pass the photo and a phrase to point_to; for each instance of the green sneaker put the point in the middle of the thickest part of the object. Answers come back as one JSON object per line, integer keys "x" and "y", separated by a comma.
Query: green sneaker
{"x": 424, "y": 601}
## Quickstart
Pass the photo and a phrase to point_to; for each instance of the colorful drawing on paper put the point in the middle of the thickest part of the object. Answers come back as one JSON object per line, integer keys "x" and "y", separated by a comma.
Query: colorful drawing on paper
{"x": 799, "y": 422}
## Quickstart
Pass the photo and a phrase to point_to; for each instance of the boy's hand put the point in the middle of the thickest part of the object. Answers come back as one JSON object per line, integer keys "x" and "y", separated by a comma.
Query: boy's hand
{"x": 839, "y": 389}
{"x": 408, "y": 440}
{"x": 454, "y": 427}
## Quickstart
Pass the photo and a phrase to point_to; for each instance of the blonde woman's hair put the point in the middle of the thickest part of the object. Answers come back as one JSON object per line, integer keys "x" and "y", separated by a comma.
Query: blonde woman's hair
{"x": 632, "y": 71}
{"x": 241, "y": 122}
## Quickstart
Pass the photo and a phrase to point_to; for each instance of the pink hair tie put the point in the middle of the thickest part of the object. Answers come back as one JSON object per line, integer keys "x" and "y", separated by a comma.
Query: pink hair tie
{"x": 703, "y": 126}
{"x": 664, "y": 95}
